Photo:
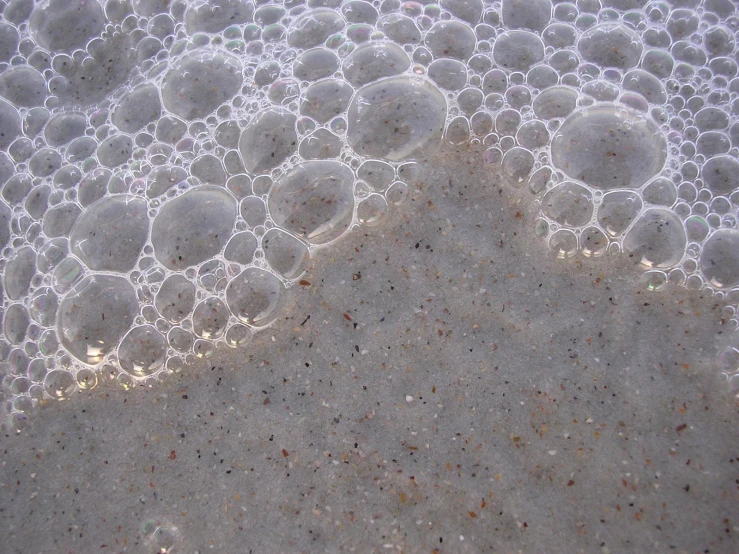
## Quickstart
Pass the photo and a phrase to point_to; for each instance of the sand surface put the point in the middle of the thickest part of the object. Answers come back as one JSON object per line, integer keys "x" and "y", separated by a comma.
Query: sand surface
{"x": 438, "y": 384}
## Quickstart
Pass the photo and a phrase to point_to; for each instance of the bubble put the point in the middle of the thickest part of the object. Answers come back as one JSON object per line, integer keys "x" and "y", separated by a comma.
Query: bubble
{"x": 470, "y": 100}
{"x": 593, "y": 243}
{"x": 238, "y": 336}
{"x": 23, "y": 86}
{"x": 617, "y": 210}
{"x": 60, "y": 219}
{"x": 180, "y": 340}
{"x": 285, "y": 254}
{"x": 719, "y": 260}
{"x": 18, "y": 273}
{"x": 541, "y": 77}
{"x": 518, "y": 97}
{"x": 448, "y": 74}
{"x": 610, "y": 45}
{"x": 254, "y": 296}
{"x": 372, "y": 210}
{"x": 518, "y": 50}
{"x": 320, "y": 144}
{"x": 555, "y": 102}
{"x": 696, "y": 228}
{"x": 51, "y": 253}
{"x": 451, "y": 39}
{"x": 467, "y": 10}
{"x": 86, "y": 379}
{"x": 609, "y": 147}
{"x": 170, "y": 129}
{"x": 516, "y": 165}
{"x": 268, "y": 140}
{"x": 193, "y": 227}
{"x": 710, "y": 119}
{"x": 18, "y": 361}
{"x": 175, "y": 299}
{"x": 200, "y": 82}
{"x": 67, "y": 272}
{"x": 10, "y": 123}
{"x": 162, "y": 178}
{"x": 315, "y": 64}
{"x": 721, "y": 174}
{"x": 314, "y": 27}
{"x": 647, "y": 85}
{"x": 718, "y": 41}
{"x": 326, "y": 99}
{"x": 212, "y": 16}
{"x": 657, "y": 239}
{"x": 689, "y": 53}
{"x": 8, "y": 41}
{"x": 137, "y": 108}
{"x": 563, "y": 244}
{"x": 682, "y": 23}
{"x": 314, "y": 200}
{"x": 658, "y": 62}
{"x": 568, "y": 204}
{"x": 241, "y": 248}
{"x": 712, "y": 143}
{"x": 44, "y": 306}
{"x": 507, "y": 122}
{"x": 372, "y": 61}
{"x": 5, "y": 215}
{"x": 356, "y": 11}
{"x": 16, "y": 323}
{"x": 115, "y": 150}
{"x": 267, "y": 15}
{"x": 7, "y": 167}
{"x": 142, "y": 351}
{"x": 110, "y": 234}
{"x": 458, "y": 131}
{"x": 532, "y": 134}
{"x": 208, "y": 169}
{"x": 399, "y": 28}
{"x": 81, "y": 149}
{"x": 396, "y": 117}
{"x": 722, "y": 8}
{"x": 66, "y": 26}
{"x": 60, "y": 384}
{"x": 17, "y": 188}
{"x": 95, "y": 315}
{"x": 210, "y": 318}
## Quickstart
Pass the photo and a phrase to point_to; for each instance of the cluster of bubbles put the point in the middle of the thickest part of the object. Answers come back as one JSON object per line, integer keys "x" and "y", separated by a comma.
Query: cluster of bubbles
{"x": 169, "y": 168}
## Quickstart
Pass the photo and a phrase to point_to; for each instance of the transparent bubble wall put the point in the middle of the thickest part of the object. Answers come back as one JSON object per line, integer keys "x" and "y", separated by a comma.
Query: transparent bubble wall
{"x": 168, "y": 169}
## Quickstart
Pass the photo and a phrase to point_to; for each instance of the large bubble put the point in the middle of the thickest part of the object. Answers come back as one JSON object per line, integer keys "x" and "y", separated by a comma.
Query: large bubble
{"x": 268, "y": 140}
{"x": 657, "y": 239}
{"x": 66, "y": 25}
{"x": 395, "y": 117}
{"x": 315, "y": 200}
{"x": 110, "y": 234}
{"x": 609, "y": 146}
{"x": 254, "y": 296}
{"x": 719, "y": 261}
{"x": 200, "y": 82}
{"x": 193, "y": 227}
{"x": 95, "y": 315}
